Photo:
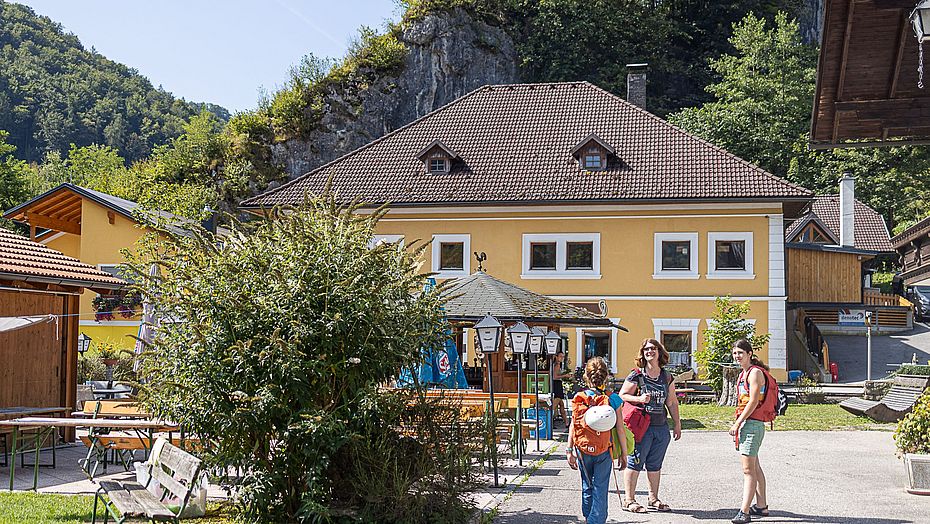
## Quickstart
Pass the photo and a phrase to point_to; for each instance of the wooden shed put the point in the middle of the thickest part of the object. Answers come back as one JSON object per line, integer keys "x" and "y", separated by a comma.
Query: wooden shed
{"x": 38, "y": 362}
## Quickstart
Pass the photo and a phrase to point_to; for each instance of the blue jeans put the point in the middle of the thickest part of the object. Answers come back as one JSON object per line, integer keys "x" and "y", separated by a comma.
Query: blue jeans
{"x": 650, "y": 452}
{"x": 595, "y": 484}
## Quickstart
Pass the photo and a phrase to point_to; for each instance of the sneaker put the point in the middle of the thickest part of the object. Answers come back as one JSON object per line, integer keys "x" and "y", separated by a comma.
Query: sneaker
{"x": 741, "y": 518}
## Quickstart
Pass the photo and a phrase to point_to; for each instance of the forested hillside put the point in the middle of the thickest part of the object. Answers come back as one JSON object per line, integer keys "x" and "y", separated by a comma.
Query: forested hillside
{"x": 739, "y": 73}
{"x": 54, "y": 93}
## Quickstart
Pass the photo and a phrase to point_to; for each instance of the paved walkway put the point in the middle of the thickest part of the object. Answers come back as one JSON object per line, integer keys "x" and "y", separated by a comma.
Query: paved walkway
{"x": 849, "y": 352}
{"x": 812, "y": 476}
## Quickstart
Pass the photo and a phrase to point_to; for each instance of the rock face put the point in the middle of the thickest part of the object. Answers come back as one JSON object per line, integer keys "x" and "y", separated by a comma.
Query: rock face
{"x": 810, "y": 18}
{"x": 449, "y": 54}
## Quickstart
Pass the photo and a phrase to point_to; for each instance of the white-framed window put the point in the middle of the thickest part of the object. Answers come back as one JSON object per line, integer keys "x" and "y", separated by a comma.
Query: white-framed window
{"x": 729, "y": 255}
{"x": 451, "y": 256}
{"x": 561, "y": 255}
{"x": 439, "y": 165}
{"x": 377, "y": 240}
{"x": 680, "y": 337}
{"x": 590, "y": 342}
{"x": 675, "y": 256}
{"x": 118, "y": 271}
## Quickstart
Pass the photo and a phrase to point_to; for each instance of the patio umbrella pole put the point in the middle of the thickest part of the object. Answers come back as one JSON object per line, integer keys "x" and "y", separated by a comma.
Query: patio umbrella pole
{"x": 493, "y": 421}
{"x": 536, "y": 387}
{"x": 519, "y": 410}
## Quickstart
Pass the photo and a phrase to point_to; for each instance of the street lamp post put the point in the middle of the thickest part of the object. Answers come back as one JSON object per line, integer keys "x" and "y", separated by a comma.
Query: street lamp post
{"x": 868, "y": 334}
{"x": 489, "y": 338}
{"x": 553, "y": 341}
{"x": 519, "y": 338}
{"x": 536, "y": 344}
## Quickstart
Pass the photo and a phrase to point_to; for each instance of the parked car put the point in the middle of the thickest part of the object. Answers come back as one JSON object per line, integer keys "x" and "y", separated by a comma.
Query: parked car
{"x": 920, "y": 297}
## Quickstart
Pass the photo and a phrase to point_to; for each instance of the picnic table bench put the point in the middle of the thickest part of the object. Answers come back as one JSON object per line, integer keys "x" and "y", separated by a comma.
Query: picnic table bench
{"x": 177, "y": 474}
{"x": 897, "y": 402}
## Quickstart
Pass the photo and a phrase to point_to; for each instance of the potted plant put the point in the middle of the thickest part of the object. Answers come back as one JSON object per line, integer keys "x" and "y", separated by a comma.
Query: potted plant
{"x": 912, "y": 438}
{"x": 108, "y": 353}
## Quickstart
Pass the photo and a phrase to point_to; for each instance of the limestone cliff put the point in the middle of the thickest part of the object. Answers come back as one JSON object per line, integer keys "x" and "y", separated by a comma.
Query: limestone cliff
{"x": 449, "y": 54}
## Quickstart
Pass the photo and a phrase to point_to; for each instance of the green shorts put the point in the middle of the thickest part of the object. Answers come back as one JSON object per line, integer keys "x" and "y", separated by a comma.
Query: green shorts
{"x": 750, "y": 437}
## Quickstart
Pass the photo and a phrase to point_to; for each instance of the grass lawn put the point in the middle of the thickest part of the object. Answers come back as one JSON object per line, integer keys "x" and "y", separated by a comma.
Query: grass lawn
{"x": 816, "y": 417}
{"x": 40, "y": 508}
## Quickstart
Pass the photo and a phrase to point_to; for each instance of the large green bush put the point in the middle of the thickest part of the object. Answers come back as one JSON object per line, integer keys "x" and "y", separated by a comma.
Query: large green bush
{"x": 274, "y": 345}
{"x": 913, "y": 432}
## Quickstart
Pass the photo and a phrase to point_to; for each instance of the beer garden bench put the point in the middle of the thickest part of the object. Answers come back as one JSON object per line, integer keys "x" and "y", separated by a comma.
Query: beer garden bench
{"x": 177, "y": 474}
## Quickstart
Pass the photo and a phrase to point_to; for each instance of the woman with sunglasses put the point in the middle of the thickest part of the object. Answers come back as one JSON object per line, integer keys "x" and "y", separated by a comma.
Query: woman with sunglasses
{"x": 650, "y": 386}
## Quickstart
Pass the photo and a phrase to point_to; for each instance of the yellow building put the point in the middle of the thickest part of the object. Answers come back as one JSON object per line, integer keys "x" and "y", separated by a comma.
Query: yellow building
{"x": 577, "y": 194}
{"x": 92, "y": 227}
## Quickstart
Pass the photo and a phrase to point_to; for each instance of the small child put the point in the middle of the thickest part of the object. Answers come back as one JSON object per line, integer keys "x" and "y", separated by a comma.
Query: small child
{"x": 595, "y": 462}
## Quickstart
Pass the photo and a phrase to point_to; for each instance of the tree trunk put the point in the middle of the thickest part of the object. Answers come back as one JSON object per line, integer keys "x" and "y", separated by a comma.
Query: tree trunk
{"x": 728, "y": 393}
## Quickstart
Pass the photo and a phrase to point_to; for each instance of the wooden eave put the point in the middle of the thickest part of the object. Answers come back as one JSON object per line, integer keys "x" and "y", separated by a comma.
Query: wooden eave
{"x": 437, "y": 144}
{"x": 592, "y": 138}
{"x": 866, "y": 93}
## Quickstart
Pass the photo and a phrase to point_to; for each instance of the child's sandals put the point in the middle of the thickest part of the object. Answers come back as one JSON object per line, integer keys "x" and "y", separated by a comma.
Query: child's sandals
{"x": 633, "y": 507}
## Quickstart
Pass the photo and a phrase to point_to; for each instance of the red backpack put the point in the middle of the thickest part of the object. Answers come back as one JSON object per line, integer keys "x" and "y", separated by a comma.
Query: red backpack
{"x": 587, "y": 440}
{"x": 768, "y": 407}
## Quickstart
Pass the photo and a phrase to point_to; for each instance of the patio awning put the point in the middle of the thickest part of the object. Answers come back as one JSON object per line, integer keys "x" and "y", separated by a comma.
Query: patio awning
{"x": 470, "y": 298}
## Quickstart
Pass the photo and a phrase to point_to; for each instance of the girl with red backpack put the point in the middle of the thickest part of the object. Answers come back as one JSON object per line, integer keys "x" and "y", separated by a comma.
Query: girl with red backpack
{"x": 595, "y": 417}
{"x": 756, "y": 391}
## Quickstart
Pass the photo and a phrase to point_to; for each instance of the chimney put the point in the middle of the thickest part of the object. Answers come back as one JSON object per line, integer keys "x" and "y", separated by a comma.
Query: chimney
{"x": 636, "y": 84}
{"x": 847, "y": 210}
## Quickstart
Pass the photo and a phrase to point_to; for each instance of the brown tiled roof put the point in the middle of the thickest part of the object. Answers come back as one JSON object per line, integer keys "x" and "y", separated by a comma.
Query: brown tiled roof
{"x": 515, "y": 144}
{"x": 871, "y": 234}
{"x": 22, "y": 259}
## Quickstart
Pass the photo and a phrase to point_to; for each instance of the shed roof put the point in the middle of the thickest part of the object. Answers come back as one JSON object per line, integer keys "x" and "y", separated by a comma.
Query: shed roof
{"x": 515, "y": 144}
{"x": 24, "y": 260}
{"x": 871, "y": 233}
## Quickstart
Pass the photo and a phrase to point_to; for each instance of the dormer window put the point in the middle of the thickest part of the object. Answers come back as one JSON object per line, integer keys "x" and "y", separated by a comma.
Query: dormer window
{"x": 592, "y": 153}
{"x": 438, "y": 164}
{"x": 594, "y": 159}
{"x": 437, "y": 157}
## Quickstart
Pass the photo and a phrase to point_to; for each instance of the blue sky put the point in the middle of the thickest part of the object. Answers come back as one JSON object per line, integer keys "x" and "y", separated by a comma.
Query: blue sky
{"x": 215, "y": 51}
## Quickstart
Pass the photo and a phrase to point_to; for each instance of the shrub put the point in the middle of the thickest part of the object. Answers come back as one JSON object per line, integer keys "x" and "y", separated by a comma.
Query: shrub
{"x": 913, "y": 432}
{"x": 913, "y": 369}
{"x": 810, "y": 391}
{"x": 727, "y": 326}
{"x": 281, "y": 338}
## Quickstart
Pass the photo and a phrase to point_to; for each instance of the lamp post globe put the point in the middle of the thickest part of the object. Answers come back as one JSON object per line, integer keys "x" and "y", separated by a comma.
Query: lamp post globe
{"x": 536, "y": 340}
{"x": 83, "y": 343}
{"x": 489, "y": 334}
{"x": 920, "y": 20}
{"x": 553, "y": 340}
{"x": 519, "y": 337}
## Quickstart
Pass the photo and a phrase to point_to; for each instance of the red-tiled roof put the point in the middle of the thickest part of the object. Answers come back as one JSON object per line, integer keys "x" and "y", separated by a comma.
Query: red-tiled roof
{"x": 515, "y": 144}
{"x": 22, "y": 259}
{"x": 871, "y": 233}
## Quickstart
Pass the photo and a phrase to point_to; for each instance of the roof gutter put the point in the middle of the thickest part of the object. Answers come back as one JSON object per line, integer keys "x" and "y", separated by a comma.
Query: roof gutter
{"x": 62, "y": 281}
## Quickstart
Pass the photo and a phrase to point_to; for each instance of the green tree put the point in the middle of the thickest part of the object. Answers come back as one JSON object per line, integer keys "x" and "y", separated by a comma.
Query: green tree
{"x": 13, "y": 178}
{"x": 762, "y": 103}
{"x": 728, "y": 326}
{"x": 284, "y": 334}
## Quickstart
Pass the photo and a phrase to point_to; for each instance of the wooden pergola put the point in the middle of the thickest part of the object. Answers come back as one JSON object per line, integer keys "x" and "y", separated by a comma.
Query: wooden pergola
{"x": 867, "y": 93}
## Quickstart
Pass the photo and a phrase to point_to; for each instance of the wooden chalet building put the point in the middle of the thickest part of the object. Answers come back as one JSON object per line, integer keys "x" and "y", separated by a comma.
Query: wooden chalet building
{"x": 913, "y": 248}
{"x": 831, "y": 251}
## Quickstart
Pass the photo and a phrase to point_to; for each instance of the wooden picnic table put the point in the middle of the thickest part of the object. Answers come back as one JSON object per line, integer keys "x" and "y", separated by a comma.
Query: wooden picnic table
{"x": 25, "y": 411}
{"x": 50, "y": 424}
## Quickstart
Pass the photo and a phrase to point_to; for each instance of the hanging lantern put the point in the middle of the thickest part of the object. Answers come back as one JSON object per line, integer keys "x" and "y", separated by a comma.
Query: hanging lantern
{"x": 920, "y": 20}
